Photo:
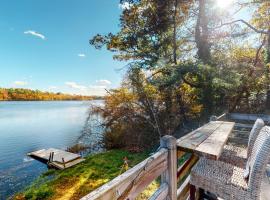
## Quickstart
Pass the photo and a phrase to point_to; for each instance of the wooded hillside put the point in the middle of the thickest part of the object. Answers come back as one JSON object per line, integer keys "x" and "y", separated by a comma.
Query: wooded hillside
{"x": 19, "y": 94}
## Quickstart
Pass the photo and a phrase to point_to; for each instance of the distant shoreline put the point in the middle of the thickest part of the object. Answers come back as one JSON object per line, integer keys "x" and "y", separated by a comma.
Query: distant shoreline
{"x": 54, "y": 100}
{"x": 21, "y": 94}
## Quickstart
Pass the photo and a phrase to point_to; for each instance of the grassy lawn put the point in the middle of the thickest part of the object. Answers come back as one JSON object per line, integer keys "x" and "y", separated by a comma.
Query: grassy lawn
{"x": 76, "y": 182}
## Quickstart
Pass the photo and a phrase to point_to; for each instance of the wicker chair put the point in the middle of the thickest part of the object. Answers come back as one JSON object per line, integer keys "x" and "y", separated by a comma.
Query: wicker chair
{"x": 227, "y": 181}
{"x": 238, "y": 155}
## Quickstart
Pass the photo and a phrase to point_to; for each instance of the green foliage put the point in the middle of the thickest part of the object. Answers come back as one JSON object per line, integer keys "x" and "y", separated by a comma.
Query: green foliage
{"x": 141, "y": 111}
{"x": 199, "y": 61}
{"x": 147, "y": 32}
{"x": 44, "y": 192}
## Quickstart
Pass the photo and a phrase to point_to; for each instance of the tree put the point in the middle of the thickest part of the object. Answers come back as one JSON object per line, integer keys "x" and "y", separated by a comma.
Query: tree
{"x": 260, "y": 24}
{"x": 185, "y": 63}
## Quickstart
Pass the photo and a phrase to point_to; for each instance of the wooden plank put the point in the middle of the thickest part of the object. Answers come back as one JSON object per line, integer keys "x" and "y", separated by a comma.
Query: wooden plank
{"x": 239, "y": 125}
{"x": 180, "y": 153}
{"x": 161, "y": 193}
{"x": 222, "y": 117}
{"x": 185, "y": 168}
{"x": 132, "y": 182}
{"x": 241, "y": 134}
{"x": 248, "y": 117}
{"x": 66, "y": 165}
{"x": 213, "y": 145}
{"x": 44, "y": 154}
{"x": 170, "y": 175}
{"x": 183, "y": 190}
{"x": 235, "y": 132}
{"x": 195, "y": 138}
{"x": 208, "y": 125}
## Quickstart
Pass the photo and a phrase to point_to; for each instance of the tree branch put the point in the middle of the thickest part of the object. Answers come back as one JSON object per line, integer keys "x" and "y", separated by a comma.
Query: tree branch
{"x": 247, "y": 24}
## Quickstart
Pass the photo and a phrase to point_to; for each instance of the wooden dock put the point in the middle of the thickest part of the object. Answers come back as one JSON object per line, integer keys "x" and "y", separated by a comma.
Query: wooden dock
{"x": 57, "y": 158}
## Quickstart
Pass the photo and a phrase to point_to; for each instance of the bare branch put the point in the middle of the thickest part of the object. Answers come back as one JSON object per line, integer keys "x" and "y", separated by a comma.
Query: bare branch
{"x": 247, "y": 24}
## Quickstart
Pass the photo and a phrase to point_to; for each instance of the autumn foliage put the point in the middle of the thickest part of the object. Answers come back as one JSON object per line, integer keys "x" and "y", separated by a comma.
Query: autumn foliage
{"x": 19, "y": 94}
{"x": 187, "y": 60}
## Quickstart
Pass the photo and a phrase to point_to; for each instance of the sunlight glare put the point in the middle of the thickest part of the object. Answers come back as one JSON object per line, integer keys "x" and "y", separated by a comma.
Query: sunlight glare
{"x": 224, "y": 3}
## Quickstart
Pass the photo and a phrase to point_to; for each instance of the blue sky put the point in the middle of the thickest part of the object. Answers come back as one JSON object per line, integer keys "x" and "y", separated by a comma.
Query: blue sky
{"x": 44, "y": 45}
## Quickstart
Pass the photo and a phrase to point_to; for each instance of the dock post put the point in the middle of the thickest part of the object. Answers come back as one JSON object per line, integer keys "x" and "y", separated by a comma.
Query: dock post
{"x": 170, "y": 175}
{"x": 52, "y": 157}
{"x": 49, "y": 160}
{"x": 64, "y": 163}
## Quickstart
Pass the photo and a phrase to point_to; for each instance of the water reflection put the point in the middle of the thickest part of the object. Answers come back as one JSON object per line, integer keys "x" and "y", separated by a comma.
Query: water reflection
{"x": 29, "y": 126}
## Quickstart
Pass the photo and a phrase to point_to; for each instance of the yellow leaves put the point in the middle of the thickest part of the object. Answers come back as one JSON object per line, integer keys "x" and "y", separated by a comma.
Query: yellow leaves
{"x": 119, "y": 96}
{"x": 196, "y": 109}
{"x": 150, "y": 90}
{"x": 188, "y": 92}
{"x": 261, "y": 17}
{"x": 243, "y": 53}
{"x": 190, "y": 98}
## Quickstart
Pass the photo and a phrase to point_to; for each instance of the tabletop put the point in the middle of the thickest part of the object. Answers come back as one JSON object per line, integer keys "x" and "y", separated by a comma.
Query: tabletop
{"x": 207, "y": 141}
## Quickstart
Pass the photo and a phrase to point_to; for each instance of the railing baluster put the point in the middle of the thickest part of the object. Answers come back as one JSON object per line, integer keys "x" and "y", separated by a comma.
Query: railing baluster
{"x": 170, "y": 175}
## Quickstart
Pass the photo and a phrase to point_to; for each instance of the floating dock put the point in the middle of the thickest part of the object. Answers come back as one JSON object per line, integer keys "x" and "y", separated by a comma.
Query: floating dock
{"x": 56, "y": 158}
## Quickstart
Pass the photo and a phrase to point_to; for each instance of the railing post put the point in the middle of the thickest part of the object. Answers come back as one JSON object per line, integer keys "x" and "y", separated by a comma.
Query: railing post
{"x": 170, "y": 175}
{"x": 213, "y": 118}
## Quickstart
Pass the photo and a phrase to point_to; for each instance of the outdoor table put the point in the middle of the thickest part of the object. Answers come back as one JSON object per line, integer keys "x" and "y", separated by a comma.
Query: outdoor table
{"x": 207, "y": 141}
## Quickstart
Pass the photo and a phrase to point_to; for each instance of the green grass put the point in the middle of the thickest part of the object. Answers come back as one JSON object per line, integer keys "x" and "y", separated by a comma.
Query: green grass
{"x": 76, "y": 182}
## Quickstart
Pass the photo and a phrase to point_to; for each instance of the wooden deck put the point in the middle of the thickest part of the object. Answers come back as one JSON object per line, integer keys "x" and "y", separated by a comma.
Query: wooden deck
{"x": 60, "y": 160}
{"x": 172, "y": 166}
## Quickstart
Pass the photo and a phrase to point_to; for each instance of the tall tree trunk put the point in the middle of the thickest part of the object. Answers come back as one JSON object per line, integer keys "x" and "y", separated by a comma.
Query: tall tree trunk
{"x": 267, "y": 71}
{"x": 203, "y": 46}
{"x": 174, "y": 32}
{"x": 202, "y": 34}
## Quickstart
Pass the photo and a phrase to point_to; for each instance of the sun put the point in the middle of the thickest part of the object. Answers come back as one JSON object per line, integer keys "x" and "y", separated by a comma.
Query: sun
{"x": 223, "y": 3}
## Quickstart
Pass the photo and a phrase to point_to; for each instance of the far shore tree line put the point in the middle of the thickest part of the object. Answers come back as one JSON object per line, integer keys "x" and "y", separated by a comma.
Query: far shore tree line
{"x": 187, "y": 60}
{"x": 20, "y": 94}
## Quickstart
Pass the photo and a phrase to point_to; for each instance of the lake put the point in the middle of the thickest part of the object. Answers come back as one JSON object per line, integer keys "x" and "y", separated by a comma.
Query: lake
{"x": 30, "y": 126}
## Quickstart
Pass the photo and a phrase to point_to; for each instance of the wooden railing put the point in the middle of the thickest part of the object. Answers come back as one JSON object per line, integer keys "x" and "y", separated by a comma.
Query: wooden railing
{"x": 172, "y": 165}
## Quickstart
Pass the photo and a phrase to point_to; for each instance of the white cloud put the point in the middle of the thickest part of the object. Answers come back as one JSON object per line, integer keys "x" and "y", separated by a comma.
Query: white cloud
{"x": 97, "y": 87}
{"x": 125, "y": 6}
{"x": 34, "y": 33}
{"x": 20, "y": 83}
{"x": 74, "y": 85}
{"x": 103, "y": 82}
{"x": 81, "y": 55}
{"x": 52, "y": 87}
{"x": 97, "y": 90}
{"x": 100, "y": 87}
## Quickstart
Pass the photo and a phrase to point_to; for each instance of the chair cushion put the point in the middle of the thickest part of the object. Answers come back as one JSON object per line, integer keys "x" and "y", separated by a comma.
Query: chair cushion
{"x": 220, "y": 172}
{"x": 234, "y": 155}
{"x": 222, "y": 179}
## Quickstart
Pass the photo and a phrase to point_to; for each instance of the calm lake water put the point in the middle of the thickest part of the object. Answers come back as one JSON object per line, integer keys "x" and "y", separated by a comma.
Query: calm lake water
{"x": 30, "y": 126}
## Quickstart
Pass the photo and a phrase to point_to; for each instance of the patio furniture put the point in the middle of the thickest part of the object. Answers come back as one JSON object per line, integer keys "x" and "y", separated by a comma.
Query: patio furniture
{"x": 238, "y": 155}
{"x": 207, "y": 141}
{"x": 227, "y": 181}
